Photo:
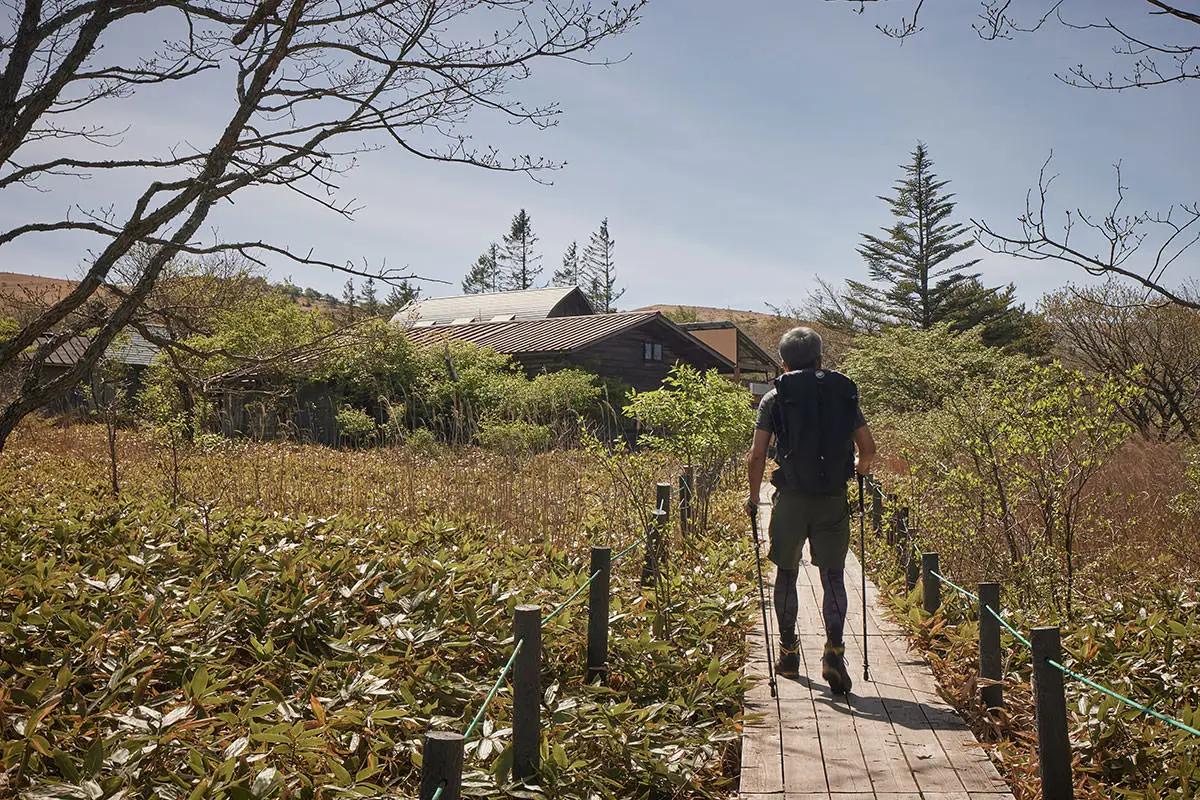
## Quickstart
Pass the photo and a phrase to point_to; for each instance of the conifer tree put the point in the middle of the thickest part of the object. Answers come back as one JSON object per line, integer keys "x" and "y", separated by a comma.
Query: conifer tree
{"x": 401, "y": 295}
{"x": 519, "y": 261}
{"x": 484, "y": 276}
{"x": 599, "y": 271}
{"x": 914, "y": 280}
{"x": 370, "y": 299}
{"x": 568, "y": 273}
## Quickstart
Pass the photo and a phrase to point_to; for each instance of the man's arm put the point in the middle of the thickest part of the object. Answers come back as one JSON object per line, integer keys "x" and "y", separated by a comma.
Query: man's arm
{"x": 865, "y": 443}
{"x": 756, "y": 464}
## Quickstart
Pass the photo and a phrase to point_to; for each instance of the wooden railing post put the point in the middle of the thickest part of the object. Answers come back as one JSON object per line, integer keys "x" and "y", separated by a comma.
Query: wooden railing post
{"x": 1054, "y": 745}
{"x": 908, "y": 557}
{"x": 652, "y": 560}
{"x": 931, "y": 584}
{"x": 687, "y": 488}
{"x": 991, "y": 692}
{"x": 527, "y": 692}
{"x": 893, "y": 534}
{"x": 442, "y": 762}
{"x": 598, "y": 594}
{"x": 662, "y": 498}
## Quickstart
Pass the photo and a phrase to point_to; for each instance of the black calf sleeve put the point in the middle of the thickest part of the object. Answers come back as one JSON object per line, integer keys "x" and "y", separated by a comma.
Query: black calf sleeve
{"x": 834, "y": 605}
{"x": 787, "y": 602}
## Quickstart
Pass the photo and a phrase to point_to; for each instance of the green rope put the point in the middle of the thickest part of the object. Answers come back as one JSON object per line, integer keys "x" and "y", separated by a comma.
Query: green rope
{"x": 991, "y": 610}
{"x": 495, "y": 688}
{"x": 1067, "y": 671}
{"x": 437, "y": 794}
{"x": 621, "y": 554}
{"x": 567, "y": 602}
{"x": 1124, "y": 700}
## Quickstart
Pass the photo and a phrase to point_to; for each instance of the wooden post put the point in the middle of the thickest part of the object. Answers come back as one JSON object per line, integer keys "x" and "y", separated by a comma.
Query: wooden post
{"x": 687, "y": 486}
{"x": 662, "y": 498}
{"x": 652, "y": 560}
{"x": 527, "y": 693}
{"x": 894, "y": 529}
{"x": 931, "y": 584}
{"x": 1054, "y": 746}
{"x": 990, "y": 663}
{"x": 908, "y": 556}
{"x": 598, "y": 594}
{"x": 876, "y": 506}
{"x": 442, "y": 760}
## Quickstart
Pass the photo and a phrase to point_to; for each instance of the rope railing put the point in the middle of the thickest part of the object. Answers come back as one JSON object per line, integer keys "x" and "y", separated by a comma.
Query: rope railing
{"x": 570, "y": 599}
{"x": 1045, "y": 645}
{"x": 495, "y": 688}
{"x": 443, "y": 756}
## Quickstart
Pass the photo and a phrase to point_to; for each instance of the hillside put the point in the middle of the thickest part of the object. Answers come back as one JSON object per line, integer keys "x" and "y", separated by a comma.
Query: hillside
{"x": 764, "y": 329}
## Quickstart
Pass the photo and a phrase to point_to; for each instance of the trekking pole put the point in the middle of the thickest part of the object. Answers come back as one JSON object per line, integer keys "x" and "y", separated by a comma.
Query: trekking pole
{"x": 862, "y": 558}
{"x": 762, "y": 603}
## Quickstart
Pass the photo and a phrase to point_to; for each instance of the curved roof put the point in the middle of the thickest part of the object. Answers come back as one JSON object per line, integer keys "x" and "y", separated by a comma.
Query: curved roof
{"x": 553, "y": 301}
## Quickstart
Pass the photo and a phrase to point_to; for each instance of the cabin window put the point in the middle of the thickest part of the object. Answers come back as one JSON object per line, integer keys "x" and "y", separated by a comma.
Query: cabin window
{"x": 652, "y": 351}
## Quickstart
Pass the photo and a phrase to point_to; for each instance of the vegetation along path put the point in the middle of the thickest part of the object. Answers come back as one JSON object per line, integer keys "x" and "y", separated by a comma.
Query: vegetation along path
{"x": 894, "y": 738}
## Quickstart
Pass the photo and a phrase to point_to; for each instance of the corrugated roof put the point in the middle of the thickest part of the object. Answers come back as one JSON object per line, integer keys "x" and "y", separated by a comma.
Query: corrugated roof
{"x": 522, "y": 305}
{"x": 130, "y": 348}
{"x": 552, "y": 335}
{"x": 133, "y": 349}
{"x": 559, "y": 334}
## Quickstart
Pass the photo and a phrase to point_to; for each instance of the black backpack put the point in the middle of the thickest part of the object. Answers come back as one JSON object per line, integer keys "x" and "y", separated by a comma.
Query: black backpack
{"x": 814, "y": 416}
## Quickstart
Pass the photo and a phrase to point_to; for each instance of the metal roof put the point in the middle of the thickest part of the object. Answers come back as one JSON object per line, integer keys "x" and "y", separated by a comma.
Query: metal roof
{"x": 130, "y": 348}
{"x": 526, "y": 304}
{"x": 559, "y": 334}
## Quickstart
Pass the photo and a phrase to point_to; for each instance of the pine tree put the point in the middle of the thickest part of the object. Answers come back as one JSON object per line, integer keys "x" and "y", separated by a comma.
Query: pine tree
{"x": 485, "y": 275}
{"x": 520, "y": 267}
{"x": 401, "y": 295}
{"x": 599, "y": 272}
{"x": 912, "y": 283}
{"x": 568, "y": 274}
{"x": 370, "y": 300}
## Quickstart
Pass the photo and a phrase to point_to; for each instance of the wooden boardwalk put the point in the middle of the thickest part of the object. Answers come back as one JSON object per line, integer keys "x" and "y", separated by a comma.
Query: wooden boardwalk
{"x": 894, "y": 738}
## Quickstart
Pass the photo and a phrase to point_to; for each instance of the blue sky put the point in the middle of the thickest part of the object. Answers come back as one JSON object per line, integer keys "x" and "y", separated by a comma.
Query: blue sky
{"x": 737, "y": 152}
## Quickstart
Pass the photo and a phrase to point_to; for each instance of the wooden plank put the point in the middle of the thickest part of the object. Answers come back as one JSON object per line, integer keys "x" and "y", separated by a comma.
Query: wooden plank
{"x": 894, "y": 738}
{"x": 975, "y": 769}
{"x": 845, "y": 766}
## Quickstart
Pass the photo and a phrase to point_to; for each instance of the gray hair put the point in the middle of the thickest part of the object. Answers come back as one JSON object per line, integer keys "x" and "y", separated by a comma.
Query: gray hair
{"x": 800, "y": 348}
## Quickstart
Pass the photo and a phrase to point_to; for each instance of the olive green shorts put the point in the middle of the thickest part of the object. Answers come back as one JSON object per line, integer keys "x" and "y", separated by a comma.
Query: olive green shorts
{"x": 822, "y": 520}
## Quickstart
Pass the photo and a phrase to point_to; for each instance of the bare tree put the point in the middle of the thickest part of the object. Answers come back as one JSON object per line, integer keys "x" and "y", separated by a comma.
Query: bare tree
{"x": 312, "y": 82}
{"x": 1155, "y": 347}
{"x": 1140, "y": 246}
{"x": 1157, "y": 44}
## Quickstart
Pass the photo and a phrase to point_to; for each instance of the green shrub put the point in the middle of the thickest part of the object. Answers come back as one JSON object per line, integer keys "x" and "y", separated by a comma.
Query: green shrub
{"x": 355, "y": 425}
{"x": 702, "y": 419}
{"x": 906, "y": 370}
{"x": 514, "y": 437}
{"x": 423, "y": 442}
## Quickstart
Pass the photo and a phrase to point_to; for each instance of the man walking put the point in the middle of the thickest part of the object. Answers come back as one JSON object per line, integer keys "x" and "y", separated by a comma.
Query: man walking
{"x": 814, "y": 417}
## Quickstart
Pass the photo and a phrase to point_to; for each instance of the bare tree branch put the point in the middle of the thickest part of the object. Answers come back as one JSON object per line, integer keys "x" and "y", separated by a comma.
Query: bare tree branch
{"x": 1110, "y": 243}
{"x": 306, "y": 76}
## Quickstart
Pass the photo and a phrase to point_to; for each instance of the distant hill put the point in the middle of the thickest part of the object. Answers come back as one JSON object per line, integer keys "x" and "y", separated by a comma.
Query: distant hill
{"x": 764, "y": 329}
{"x": 22, "y": 295}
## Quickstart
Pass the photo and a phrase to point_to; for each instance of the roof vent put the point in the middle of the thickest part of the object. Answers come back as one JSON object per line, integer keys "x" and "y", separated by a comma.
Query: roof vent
{"x": 463, "y": 321}
{"x": 503, "y": 318}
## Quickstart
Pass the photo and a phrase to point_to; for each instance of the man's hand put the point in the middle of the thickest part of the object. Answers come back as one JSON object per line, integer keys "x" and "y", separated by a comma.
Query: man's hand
{"x": 752, "y": 508}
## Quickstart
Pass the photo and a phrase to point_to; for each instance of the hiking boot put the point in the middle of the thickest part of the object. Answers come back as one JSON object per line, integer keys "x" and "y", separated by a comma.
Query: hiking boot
{"x": 833, "y": 668}
{"x": 788, "y": 664}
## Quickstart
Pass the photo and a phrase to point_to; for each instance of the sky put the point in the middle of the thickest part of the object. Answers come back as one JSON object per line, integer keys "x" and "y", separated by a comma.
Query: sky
{"x": 736, "y": 149}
